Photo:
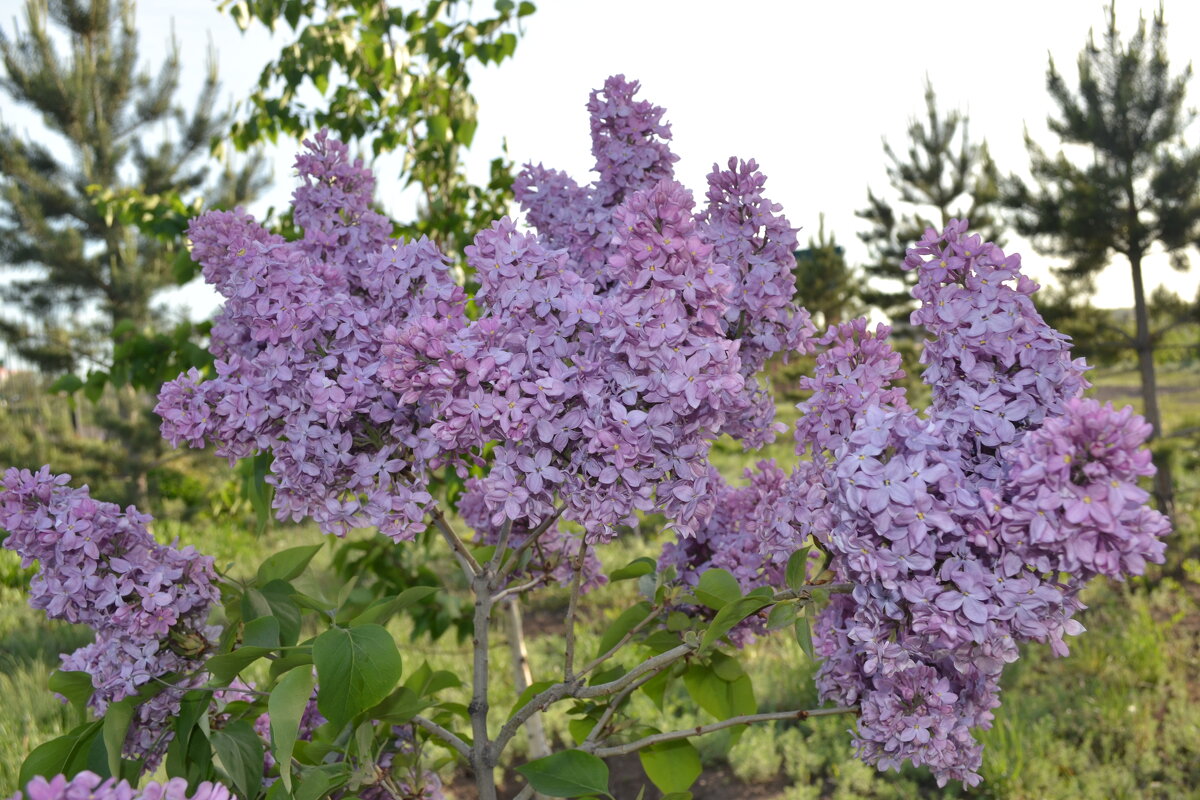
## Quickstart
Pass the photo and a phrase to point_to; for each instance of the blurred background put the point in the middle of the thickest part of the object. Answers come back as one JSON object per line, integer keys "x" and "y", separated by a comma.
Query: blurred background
{"x": 1064, "y": 131}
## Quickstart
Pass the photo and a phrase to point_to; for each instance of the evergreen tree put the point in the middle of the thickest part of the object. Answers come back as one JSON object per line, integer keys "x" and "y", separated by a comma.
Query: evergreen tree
{"x": 943, "y": 176}
{"x": 1139, "y": 188}
{"x": 827, "y": 286}
{"x": 82, "y": 273}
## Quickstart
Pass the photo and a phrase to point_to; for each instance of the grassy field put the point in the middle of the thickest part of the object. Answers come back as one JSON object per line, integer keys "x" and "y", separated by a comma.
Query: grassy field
{"x": 1120, "y": 718}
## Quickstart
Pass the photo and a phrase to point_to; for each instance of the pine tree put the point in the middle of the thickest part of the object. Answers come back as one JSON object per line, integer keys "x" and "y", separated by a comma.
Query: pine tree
{"x": 945, "y": 175}
{"x": 827, "y": 286}
{"x": 1139, "y": 188}
{"x": 80, "y": 275}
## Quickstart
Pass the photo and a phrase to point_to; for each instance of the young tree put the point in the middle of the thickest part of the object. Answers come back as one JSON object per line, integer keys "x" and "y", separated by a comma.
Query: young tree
{"x": 71, "y": 253}
{"x": 389, "y": 78}
{"x": 826, "y": 284}
{"x": 944, "y": 175}
{"x": 1138, "y": 189}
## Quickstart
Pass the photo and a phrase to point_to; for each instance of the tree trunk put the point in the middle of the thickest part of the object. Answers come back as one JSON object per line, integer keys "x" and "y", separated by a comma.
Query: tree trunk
{"x": 1164, "y": 495}
{"x": 522, "y": 678}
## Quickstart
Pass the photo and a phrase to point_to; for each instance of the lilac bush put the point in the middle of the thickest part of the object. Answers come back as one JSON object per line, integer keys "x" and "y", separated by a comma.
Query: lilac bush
{"x": 574, "y": 394}
{"x": 148, "y": 603}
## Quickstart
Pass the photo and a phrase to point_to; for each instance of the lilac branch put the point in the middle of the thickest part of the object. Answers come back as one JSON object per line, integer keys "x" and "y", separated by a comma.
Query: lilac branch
{"x": 700, "y": 730}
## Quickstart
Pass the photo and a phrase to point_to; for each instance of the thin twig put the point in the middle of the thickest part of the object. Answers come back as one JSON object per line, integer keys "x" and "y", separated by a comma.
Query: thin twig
{"x": 595, "y": 733}
{"x": 575, "y": 688}
{"x": 526, "y": 793}
{"x": 501, "y": 547}
{"x": 469, "y": 564}
{"x": 654, "y": 612}
{"x": 446, "y": 736}
{"x": 514, "y": 590}
{"x": 530, "y": 538}
{"x": 700, "y": 730}
{"x": 576, "y": 585}
{"x": 656, "y": 664}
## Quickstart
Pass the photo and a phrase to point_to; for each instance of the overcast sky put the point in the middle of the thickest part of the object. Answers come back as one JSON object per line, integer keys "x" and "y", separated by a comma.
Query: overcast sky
{"x": 808, "y": 89}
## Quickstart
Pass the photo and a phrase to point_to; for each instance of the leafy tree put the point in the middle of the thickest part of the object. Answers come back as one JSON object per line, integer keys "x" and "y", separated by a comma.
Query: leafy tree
{"x": 826, "y": 284}
{"x": 71, "y": 203}
{"x": 1139, "y": 187}
{"x": 943, "y": 175}
{"x": 389, "y": 79}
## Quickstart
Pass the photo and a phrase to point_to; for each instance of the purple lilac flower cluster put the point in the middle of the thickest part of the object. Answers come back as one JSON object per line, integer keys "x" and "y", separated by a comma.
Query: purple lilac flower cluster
{"x": 629, "y": 143}
{"x": 90, "y": 786}
{"x": 963, "y": 532}
{"x": 994, "y": 366}
{"x": 298, "y": 347}
{"x": 750, "y": 240}
{"x": 607, "y": 402}
{"x": 972, "y": 529}
{"x": 148, "y": 603}
{"x": 749, "y": 234}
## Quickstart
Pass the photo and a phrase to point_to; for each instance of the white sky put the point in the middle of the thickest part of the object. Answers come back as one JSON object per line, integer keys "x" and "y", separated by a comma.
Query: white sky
{"x": 806, "y": 88}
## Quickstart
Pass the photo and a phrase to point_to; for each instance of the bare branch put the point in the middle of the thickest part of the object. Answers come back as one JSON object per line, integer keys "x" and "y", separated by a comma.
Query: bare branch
{"x": 515, "y": 590}
{"x": 576, "y": 585}
{"x": 656, "y": 664}
{"x": 530, "y": 538}
{"x": 700, "y": 730}
{"x": 465, "y": 559}
{"x": 461, "y": 747}
{"x": 591, "y": 665}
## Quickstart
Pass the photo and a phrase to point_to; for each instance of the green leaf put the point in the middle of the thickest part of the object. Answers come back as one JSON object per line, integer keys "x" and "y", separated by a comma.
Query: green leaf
{"x": 672, "y": 766}
{"x": 65, "y": 754}
{"x": 741, "y": 697}
{"x": 708, "y": 690}
{"x": 727, "y": 667}
{"x": 439, "y": 128}
{"x": 287, "y": 564}
{"x": 290, "y": 659}
{"x": 356, "y": 668}
{"x": 634, "y": 569}
{"x": 717, "y": 589}
{"x": 729, "y": 616}
{"x": 239, "y": 753}
{"x": 384, "y": 608}
{"x": 804, "y": 637}
{"x": 116, "y": 725}
{"x": 569, "y": 773}
{"x": 580, "y": 727}
{"x": 67, "y": 383}
{"x": 227, "y": 665}
{"x": 797, "y": 568}
{"x": 781, "y": 616}
{"x": 317, "y": 782}
{"x": 623, "y": 625}
{"x": 93, "y": 388}
{"x": 189, "y": 755}
{"x": 75, "y": 686}
{"x": 286, "y": 706}
{"x": 399, "y": 707}
{"x": 261, "y": 632}
{"x": 274, "y": 599}
{"x": 656, "y": 688}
